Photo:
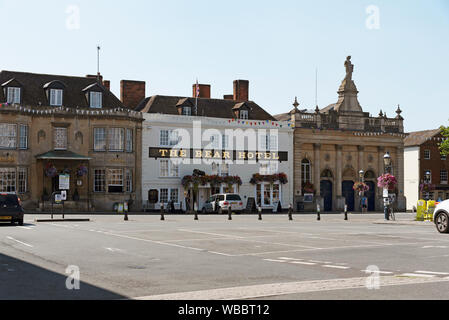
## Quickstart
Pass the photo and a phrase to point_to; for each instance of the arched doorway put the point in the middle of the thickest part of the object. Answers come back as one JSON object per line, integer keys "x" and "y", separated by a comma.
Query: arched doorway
{"x": 326, "y": 193}
{"x": 348, "y": 193}
{"x": 326, "y": 188}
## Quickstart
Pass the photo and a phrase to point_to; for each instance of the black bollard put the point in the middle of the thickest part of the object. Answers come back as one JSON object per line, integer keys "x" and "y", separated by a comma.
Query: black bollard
{"x": 162, "y": 213}
{"x": 290, "y": 213}
{"x": 346, "y": 213}
{"x": 260, "y": 213}
{"x": 229, "y": 213}
{"x": 318, "y": 211}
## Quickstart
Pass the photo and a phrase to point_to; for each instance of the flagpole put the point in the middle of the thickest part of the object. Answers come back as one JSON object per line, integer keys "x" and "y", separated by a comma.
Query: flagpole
{"x": 196, "y": 97}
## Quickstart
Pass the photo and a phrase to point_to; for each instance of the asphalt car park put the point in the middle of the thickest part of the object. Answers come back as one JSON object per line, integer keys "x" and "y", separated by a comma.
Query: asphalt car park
{"x": 214, "y": 258}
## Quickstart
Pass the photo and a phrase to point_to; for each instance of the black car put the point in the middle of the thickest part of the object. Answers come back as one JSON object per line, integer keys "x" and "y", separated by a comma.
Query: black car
{"x": 10, "y": 209}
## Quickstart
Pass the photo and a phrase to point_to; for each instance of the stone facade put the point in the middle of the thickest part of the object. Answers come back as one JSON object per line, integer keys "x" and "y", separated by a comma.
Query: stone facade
{"x": 80, "y": 125}
{"x": 332, "y": 145}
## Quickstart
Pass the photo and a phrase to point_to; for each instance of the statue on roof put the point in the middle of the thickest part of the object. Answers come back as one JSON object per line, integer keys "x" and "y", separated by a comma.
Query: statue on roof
{"x": 349, "y": 68}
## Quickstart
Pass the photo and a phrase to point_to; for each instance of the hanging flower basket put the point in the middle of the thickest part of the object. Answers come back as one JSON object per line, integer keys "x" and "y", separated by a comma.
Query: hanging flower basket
{"x": 387, "y": 181}
{"x": 308, "y": 188}
{"x": 361, "y": 187}
{"x": 213, "y": 180}
{"x": 427, "y": 187}
{"x": 50, "y": 170}
{"x": 81, "y": 171}
{"x": 258, "y": 178}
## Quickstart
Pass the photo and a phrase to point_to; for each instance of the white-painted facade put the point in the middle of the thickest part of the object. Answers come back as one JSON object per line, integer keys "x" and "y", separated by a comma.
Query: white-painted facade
{"x": 411, "y": 178}
{"x": 161, "y": 177}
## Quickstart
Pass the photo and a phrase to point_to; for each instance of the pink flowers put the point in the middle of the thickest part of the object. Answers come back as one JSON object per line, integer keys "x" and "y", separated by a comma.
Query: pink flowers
{"x": 387, "y": 181}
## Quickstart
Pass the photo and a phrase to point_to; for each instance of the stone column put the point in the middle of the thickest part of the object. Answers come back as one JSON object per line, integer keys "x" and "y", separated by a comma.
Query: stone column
{"x": 400, "y": 176}
{"x": 340, "y": 205}
{"x": 316, "y": 167}
{"x": 317, "y": 175}
{"x": 361, "y": 166}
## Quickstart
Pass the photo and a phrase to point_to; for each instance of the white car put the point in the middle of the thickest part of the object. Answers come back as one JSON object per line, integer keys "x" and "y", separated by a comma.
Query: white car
{"x": 220, "y": 203}
{"x": 441, "y": 217}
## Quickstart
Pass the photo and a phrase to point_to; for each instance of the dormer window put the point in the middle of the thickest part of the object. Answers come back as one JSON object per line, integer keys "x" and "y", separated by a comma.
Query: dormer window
{"x": 96, "y": 99}
{"x": 186, "y": 111}
{"x": 56, "y": 97}
{"x": 241, "y": 111}
{"x": 13, "y": 95}
{"x": 54, "y": 91}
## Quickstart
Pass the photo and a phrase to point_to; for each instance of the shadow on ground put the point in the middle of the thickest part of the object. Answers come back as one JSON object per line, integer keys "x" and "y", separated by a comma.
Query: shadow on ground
{"x": 20, "y": 280}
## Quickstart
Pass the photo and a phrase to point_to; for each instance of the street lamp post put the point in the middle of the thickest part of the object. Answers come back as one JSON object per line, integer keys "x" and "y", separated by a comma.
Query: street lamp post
{"x": 361, "y": 193}
{"x": 387, "y": 169}
{"x": 427, "y": 180}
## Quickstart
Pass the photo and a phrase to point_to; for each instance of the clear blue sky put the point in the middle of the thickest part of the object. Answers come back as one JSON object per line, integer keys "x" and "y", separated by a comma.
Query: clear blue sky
{"x": 277, "y": 45}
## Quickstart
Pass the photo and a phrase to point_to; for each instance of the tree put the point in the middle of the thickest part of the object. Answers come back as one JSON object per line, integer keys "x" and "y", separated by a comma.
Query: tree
{"x": 444, "y": 146}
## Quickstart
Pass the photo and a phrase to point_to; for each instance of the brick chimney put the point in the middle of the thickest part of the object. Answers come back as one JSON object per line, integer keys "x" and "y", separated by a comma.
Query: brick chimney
{"x": 228, "y": 97}
{"x": 132, "y": 93}
{"x": 107, "y": 84}
{"x": 204, "y": 91}
{"x": 91, "y": 76}
{"x": 241, "y": 90}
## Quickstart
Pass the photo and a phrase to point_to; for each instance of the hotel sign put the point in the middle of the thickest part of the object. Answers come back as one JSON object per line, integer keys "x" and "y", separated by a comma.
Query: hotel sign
{"x": 167, "y": 153}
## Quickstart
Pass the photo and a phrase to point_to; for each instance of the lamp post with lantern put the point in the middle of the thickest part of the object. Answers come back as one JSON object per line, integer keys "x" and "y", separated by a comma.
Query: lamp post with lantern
{"x": 387, "y": 169}
{"x": 361, "y": 192}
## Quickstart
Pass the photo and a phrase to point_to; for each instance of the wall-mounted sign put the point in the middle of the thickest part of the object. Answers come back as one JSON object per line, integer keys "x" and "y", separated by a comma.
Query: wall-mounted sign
{"x": 4, "y": 158}
{"x": 64, "y": 182}
{"x": 167, "y": 153}
{"x": 308, "y": 197}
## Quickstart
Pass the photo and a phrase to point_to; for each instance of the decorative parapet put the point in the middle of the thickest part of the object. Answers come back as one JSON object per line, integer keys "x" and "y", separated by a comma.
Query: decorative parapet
{"x": 63, "y": 111}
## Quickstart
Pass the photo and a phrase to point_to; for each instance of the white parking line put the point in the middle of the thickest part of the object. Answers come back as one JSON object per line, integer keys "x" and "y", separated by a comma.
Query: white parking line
{"x": 379, "y": 272}
{"x": 416, "y": 275}
{"x": 280, "y": 289}
{"x": 335, "y": 267}
{"x": 294, "y": 259}
{"x": 274, "y": 260}
{"x": 435, "y": 273}
{"x": 304, "y": 263}
{"x": 23, "y": 243}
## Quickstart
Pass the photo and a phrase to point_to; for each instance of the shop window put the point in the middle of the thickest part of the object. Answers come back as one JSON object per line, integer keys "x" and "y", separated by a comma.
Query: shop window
{"x": 22, "y": 180}
{"x": 8, "y": 180}
{"x": 115, "y": 181}
{"x": 99, "y": 180}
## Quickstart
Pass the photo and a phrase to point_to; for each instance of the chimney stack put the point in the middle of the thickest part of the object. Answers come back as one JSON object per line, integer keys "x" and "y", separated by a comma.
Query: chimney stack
{"x": 107, "y": 84}
{"x": 91, "y": 76}
{"x": 204, "y": 91}
{"x": 132, "y": 93}
{"x": 241, "y": 90}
